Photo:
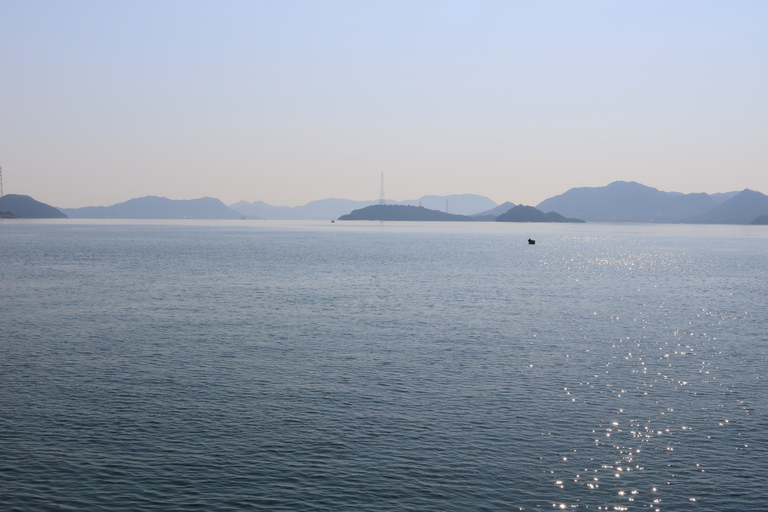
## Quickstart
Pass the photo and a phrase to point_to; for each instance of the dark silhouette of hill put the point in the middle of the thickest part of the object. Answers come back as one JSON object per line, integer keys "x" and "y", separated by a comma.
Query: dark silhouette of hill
{"x": 522, "y": 213}
{"x": 761, "y": 220}
{"x": 153, "y": 207}
{"x": 623, "y": 201}
{"x": 324, "y": 209}
{"x": 742, "y": 208}
{"x": 25, "y": 206}
{"x": 402, "y": 212}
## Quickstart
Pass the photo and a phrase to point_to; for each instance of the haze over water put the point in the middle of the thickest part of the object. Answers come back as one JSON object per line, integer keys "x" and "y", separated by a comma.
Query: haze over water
{"x": 382, "y": 366}
{"x": 291, "y": 102}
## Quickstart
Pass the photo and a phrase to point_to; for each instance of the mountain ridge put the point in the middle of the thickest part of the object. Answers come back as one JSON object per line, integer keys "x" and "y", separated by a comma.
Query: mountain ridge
{"x": 619, "y": 201}
{"x": 743, "y": 208}
{"x": 629, "y": 201}
{"x": 155, "y": 207}
{"x": 25, "y": 207}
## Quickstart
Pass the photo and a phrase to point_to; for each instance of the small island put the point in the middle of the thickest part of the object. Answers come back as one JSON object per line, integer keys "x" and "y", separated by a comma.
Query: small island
{"x": 521, "y": 213}
{"x": 399, "y": 212}
{"x": 21, "y": 206}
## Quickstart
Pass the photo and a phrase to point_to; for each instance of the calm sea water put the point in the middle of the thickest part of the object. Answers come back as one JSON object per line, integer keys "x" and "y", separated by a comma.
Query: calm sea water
{"x": 367, "y": 366}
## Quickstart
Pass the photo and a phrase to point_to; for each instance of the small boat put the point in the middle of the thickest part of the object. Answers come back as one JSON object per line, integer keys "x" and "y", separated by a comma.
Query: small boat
{"x": 531, "y": 241}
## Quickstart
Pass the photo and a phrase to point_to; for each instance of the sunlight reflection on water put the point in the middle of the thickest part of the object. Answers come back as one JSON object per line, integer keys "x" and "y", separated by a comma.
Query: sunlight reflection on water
{"x": 295, "y": 366}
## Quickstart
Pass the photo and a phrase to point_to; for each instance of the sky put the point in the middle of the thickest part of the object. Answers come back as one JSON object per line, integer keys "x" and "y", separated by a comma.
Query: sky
{"x": 289, "y": 101}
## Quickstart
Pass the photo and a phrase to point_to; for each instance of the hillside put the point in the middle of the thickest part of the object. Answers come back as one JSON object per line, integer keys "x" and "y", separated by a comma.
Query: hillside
{"x": 25, "y": 206}
{"x": 152, "y": 207}
{"x": 623, "y": 201}
{"x": 398, "y": 212}
{"x": 743, "y": 208}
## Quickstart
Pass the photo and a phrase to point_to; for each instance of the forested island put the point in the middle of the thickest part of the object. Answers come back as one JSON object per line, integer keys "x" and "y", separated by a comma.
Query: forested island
{"x": 401, "y": 212}
{"x": 21, "y": 206}
{"x": 521, "y": 213}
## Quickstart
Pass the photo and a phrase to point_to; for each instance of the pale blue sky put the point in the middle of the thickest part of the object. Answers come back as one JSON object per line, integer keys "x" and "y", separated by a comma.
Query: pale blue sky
{"x": 290, "y": 101}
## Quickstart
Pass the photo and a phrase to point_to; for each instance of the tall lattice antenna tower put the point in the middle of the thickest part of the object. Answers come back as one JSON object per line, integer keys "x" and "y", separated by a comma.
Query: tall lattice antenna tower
{"x": 381, "y": 193}
{"x": 1, "y": 183}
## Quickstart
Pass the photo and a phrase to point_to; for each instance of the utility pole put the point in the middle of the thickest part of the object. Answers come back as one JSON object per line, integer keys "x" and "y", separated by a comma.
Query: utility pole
{"x": 381, "y": 193}
{"x": 1, "y": 189}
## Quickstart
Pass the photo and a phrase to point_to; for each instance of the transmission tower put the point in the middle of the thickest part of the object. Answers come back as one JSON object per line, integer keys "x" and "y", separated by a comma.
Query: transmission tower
{"x": 381, "y": 193}
{"x": 1, "y": 183}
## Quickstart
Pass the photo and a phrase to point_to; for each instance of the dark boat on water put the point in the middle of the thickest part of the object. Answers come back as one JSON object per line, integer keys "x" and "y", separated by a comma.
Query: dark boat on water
{"x": 531, "y": 241}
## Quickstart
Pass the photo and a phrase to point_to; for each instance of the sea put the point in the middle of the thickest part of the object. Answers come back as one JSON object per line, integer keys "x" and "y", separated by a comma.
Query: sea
{"x": 382, "y": 366}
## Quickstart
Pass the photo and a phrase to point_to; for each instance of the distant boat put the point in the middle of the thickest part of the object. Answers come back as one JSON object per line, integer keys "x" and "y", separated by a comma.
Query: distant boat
{"x": 531, "y": 241}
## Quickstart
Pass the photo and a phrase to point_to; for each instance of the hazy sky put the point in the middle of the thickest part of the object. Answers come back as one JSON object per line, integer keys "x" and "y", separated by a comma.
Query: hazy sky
{"x": 290, "y": 101}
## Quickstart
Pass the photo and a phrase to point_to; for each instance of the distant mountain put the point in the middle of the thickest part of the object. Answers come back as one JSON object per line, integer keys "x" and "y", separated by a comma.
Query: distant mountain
{"x": 495, "y": 212}
{"x": 322, "y": 209}
{"x": 721, "y": 197}
{"x": 623, "y": 201}
{"x": 400, "y": 212}
{"x": 521, "y": 213}
{"x": 333, "y": 208}
{"x": 556, "y": 217}
{"x": 257, "y": 209}
{"x": 742, "y": 208}
{"x": 761, "y": 220}
{"x": 25, "y": 206}
{"x": 458, "y": 204}
{"x": 153, "y": 207}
